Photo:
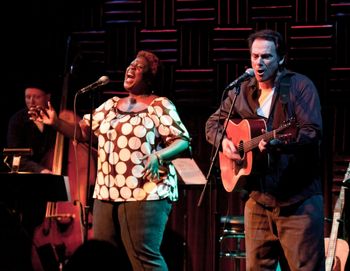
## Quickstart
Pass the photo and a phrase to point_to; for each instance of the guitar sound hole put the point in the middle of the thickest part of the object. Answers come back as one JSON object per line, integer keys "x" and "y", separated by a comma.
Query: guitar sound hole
{"x": 241, "y": 150}
{"x": 239, "y": 162}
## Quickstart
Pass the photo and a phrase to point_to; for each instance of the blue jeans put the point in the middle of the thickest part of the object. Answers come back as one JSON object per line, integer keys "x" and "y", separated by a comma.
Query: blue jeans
{"x": 293, "y": 235}
{"x": 139, "y": 224}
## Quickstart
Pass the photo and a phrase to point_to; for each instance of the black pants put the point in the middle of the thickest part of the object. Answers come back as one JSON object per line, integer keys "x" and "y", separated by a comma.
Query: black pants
{"x": 140, "y": 224}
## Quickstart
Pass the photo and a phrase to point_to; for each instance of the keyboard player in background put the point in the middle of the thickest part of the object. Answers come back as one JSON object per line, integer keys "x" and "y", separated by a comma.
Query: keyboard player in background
{"x": 16, "y": 231}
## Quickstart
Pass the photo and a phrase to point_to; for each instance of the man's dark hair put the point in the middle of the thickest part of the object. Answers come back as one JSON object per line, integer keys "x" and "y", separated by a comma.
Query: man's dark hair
{"x": 270, "y": 35}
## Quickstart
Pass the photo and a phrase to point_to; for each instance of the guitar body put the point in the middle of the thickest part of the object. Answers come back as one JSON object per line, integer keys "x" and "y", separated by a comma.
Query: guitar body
{"x": 238, "y": 133}
{"x": 337, "y": 249}
{"x": 341, "y": 253}
{"x": 246, "y": 135}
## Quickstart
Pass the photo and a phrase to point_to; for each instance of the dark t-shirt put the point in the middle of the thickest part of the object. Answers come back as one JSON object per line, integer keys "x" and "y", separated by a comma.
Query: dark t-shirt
{"x": 23, "y": 133}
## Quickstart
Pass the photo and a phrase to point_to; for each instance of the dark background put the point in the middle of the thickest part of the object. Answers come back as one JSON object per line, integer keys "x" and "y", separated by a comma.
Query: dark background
{"x": 203, "y": 48}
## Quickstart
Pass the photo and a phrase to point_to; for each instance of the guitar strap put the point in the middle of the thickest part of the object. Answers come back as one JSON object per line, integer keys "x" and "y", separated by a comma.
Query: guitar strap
{"x": 285, "y": 95}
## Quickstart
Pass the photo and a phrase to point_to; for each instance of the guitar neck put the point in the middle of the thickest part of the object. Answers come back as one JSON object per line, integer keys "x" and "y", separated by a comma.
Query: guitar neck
{"x": 253, "y": 143}
{"x": 332, "y": 242}
{"x": 338, "y": 209}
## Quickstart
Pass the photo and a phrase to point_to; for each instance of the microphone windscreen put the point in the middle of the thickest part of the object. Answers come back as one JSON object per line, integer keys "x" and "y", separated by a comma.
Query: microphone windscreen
{"x": 103, "y": 80}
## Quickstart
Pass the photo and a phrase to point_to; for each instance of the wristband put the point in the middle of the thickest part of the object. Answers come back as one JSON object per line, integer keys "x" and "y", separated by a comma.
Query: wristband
{"x": 160, "y": 161}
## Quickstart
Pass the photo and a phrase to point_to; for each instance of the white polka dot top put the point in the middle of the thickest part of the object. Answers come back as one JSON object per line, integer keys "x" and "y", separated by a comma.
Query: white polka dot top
{"x": 123, "y": 138}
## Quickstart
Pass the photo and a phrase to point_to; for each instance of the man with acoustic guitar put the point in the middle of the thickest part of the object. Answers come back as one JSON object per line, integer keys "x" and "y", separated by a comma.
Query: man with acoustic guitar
{"x": 278, "y": 112}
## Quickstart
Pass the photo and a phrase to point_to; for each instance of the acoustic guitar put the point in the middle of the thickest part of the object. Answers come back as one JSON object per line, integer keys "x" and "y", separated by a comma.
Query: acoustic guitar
{"x": 246, "y": 135}
{"x": 337, "y": 249}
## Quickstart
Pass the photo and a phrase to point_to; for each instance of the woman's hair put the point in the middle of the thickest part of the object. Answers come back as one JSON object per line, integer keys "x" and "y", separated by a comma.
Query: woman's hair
{"x": 154, "y": 64}
{"x": 270, "y": 35}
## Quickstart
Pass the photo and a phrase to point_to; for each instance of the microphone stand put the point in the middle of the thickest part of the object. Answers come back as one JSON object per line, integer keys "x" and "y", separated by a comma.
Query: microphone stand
{"x": 87, "y": 207}
{"x": 237, "y": 92}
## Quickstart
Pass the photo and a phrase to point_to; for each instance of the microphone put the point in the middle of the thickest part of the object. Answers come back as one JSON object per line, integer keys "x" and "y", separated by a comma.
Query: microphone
{"x": 249, "y": 73}
{"x": 100, "y": 82}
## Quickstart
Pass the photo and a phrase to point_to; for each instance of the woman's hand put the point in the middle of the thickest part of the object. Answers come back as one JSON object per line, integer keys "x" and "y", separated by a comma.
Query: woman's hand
{"x": 153, "y": 169}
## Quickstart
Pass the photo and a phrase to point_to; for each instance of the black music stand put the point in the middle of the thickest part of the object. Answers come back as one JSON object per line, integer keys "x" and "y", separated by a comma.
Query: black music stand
{"x": 23, "y": 199}
{"x": 25, "y": 192}
{"x": 34, "y": 186}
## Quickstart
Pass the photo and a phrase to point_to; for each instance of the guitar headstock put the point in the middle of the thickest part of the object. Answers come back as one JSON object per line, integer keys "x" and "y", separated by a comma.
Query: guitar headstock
{"x": 289, "y": 122}
{"x": 347, "y": 174}
{"x": 291, "y": 126}
{"x": 286, "y": 138}
{"x": 339, "y": 206}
